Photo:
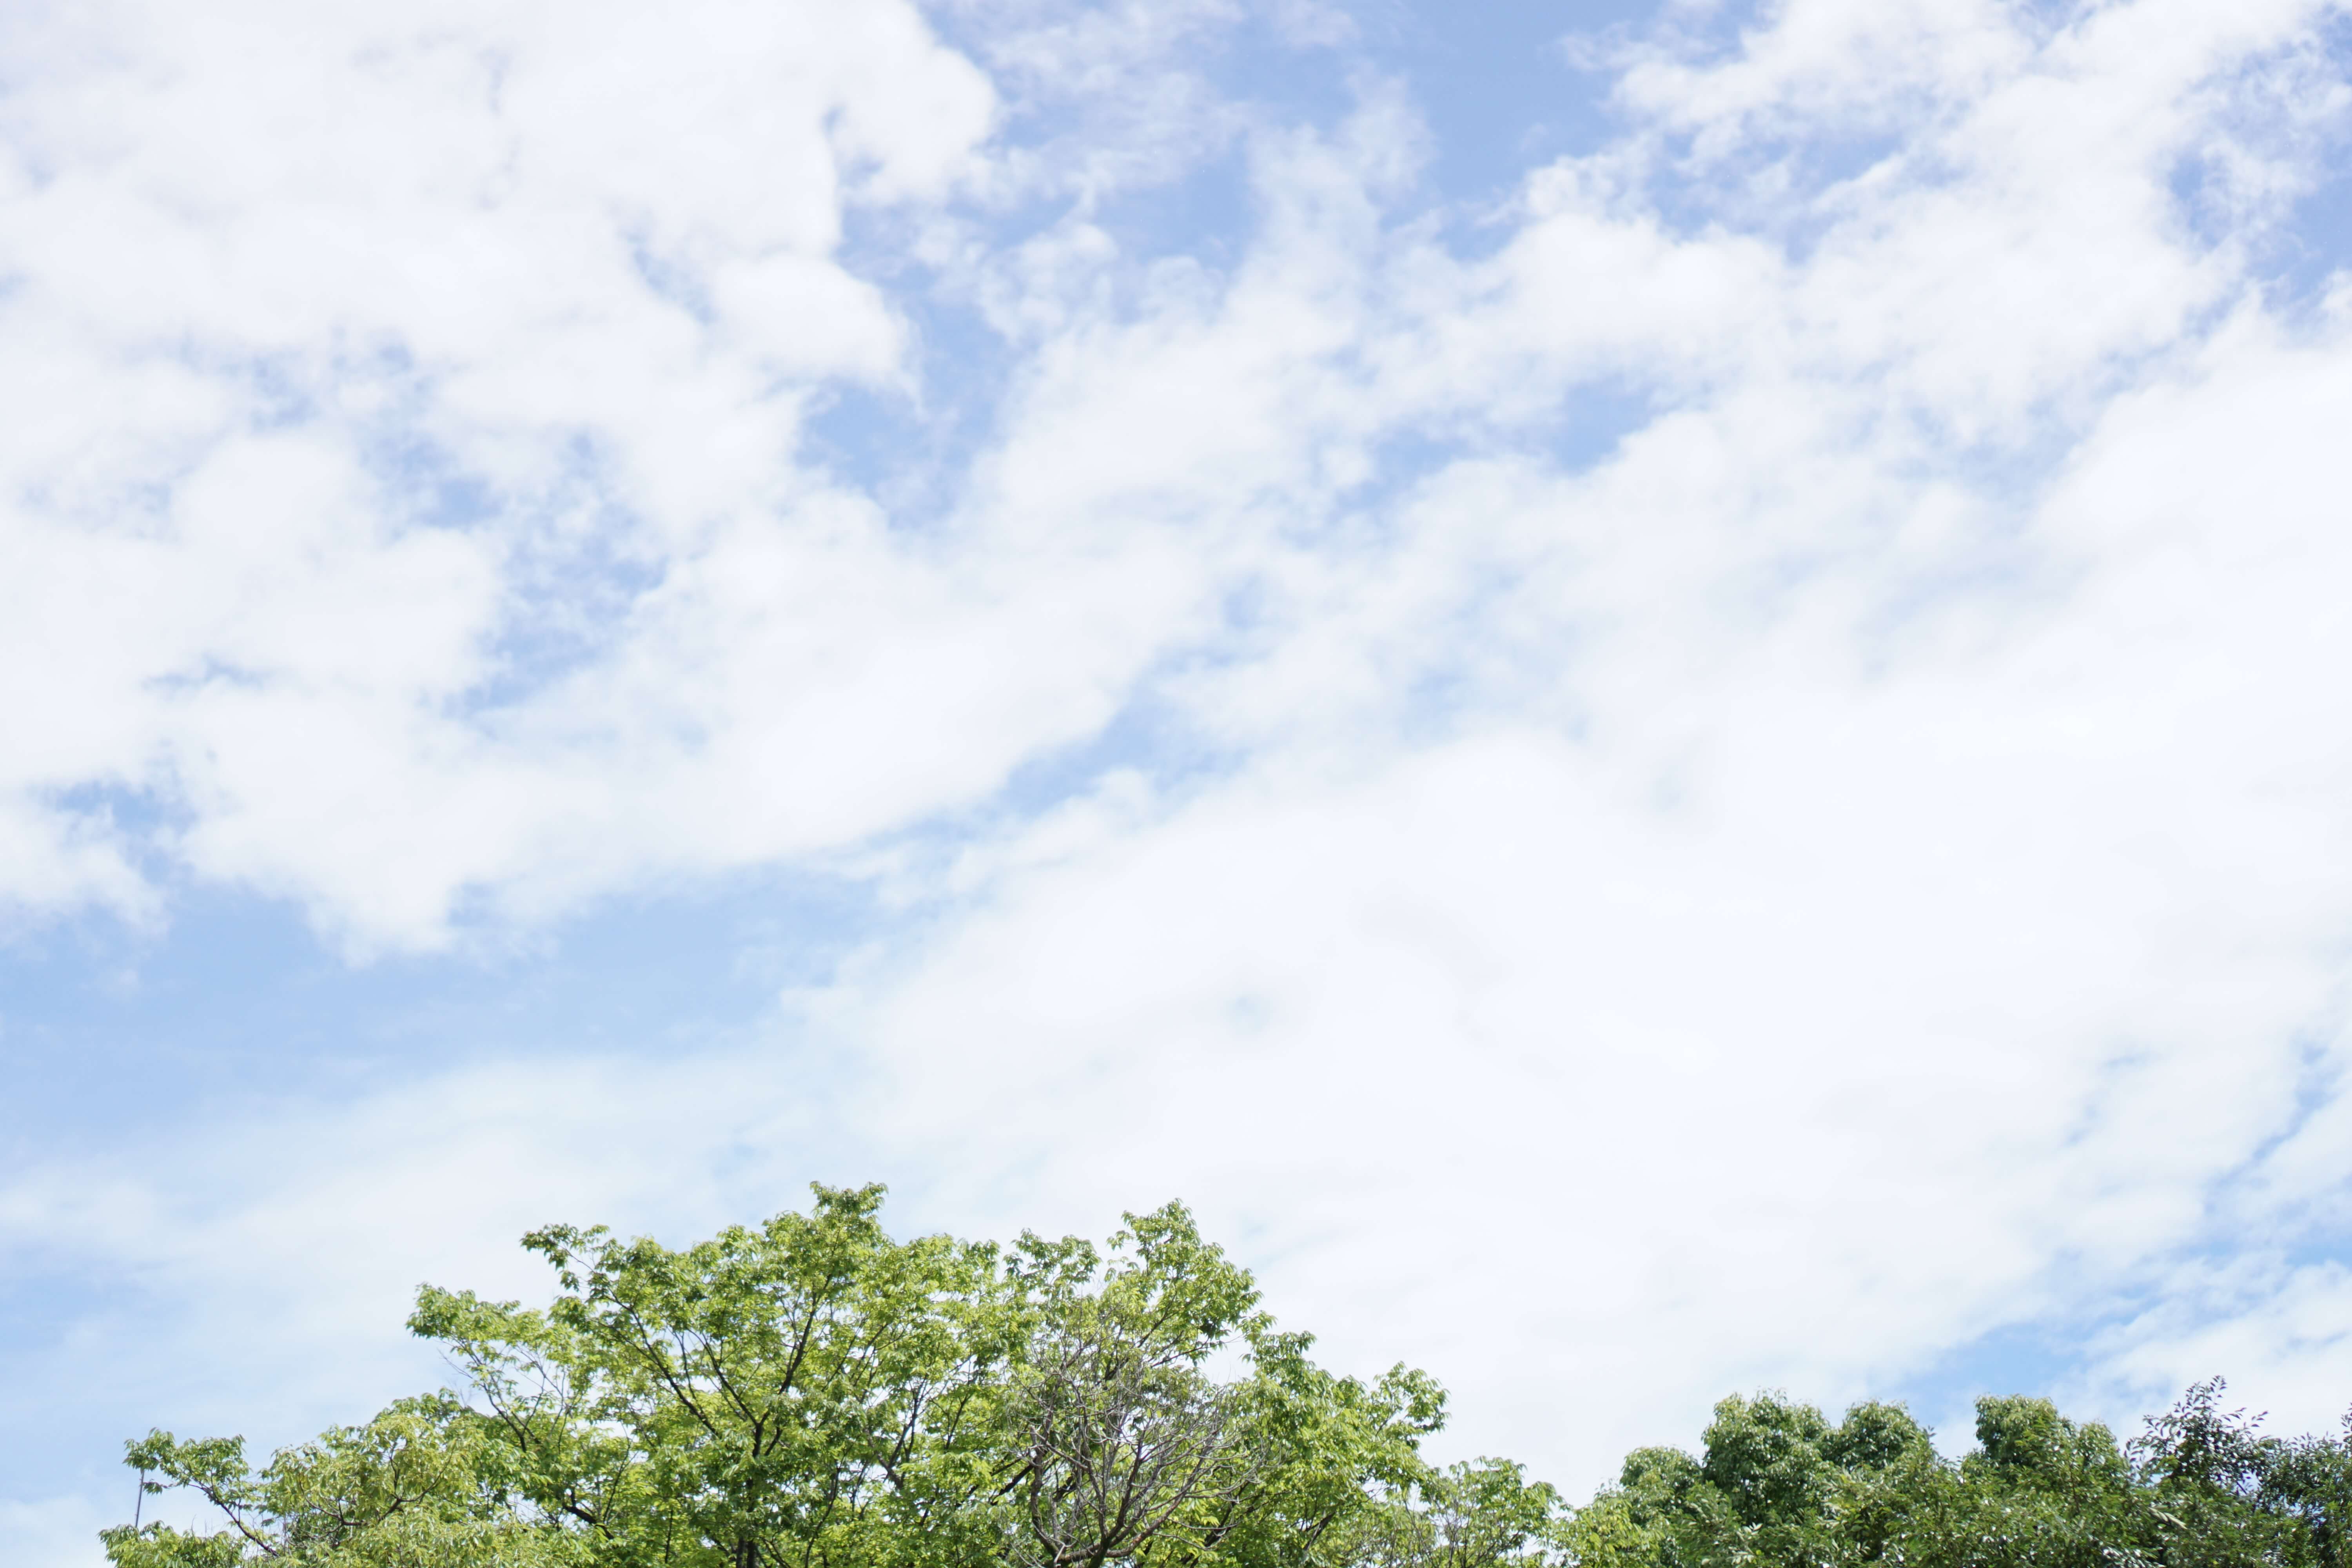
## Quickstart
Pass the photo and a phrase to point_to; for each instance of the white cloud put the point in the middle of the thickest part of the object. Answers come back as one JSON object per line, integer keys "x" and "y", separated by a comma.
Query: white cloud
{"x": 1809, "y": 889}
{"x": 278, "y": 279}
{"x": 1861, "y": 865}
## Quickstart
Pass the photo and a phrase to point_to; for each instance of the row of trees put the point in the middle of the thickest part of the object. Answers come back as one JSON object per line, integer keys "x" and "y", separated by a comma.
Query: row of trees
{"x": 813, "y": 1393}
{"x": 1776, "y": 1483}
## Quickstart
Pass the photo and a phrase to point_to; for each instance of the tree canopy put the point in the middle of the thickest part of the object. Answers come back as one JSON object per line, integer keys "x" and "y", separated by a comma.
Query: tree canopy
{"x": 813, "y": 1393}
{"x": 1778, "y": 1483}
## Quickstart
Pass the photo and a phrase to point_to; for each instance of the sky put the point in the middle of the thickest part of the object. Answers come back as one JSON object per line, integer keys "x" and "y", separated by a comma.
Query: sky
{"x": 1655, "y": 693}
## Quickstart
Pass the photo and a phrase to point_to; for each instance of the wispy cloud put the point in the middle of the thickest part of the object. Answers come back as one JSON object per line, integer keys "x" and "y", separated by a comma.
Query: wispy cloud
{"x": 1729, "y": 771}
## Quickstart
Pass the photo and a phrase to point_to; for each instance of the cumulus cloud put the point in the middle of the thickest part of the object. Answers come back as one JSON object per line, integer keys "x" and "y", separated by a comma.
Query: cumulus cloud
{"x": 346, "y": 346}
{"x": 1744, "y": 780}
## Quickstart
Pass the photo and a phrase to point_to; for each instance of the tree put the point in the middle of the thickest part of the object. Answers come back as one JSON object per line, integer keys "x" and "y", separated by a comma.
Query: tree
{"x": 1778, "y": 1485}
{"x": 811, "y": 1391}
{"x": 1477, "y": 1514}
{"x": 1126, "y": 1445}
{"x": 422, "y": 1485}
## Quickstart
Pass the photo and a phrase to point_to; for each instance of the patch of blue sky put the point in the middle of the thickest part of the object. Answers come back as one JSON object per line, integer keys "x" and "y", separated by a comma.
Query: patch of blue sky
{"x": 911, "y": 449}
{"x": 417, "y": 477}
{"x": 1584, "y": 428}
{"x": 1589, "y": 421}
{"x": 40, "y": 1296}
{"x": 1206, "y": 213}
{"x": 137, "y": 820}
{"x": 904, "y": 453}
{"x": 2308, "y": 248}
{"x": 2313, "y": 252}
{"x": 2326, "y": 1245}
{"x": 566, "y": 603}
{"x": 1156, "y": 734}
{"x": 1193, "y": 201}
{"x": 1148, "y": 734}
{"x": 2319, "y": 1082}
{"x": 64, "y": 1414}
{"x": 1274, "y": 61}
{"x": 2053, "y": 1352}
{"x": 135, "y": 1032}
{"x": 1780, "y": 183}
{"x": 59, "y": 1412}
{"x": 2274, "y": 179}
{"x": 422, "y": 480}
{"x": 1505, "y": 87}
{"x": 118, "y": 1040}
{"x": 140, "y": 813}
{"x": 1528, "y": 82}
{"x": 2035, "y": 1358}
{"x": 1498, "y": 100}
{"x": 570, "y": 573}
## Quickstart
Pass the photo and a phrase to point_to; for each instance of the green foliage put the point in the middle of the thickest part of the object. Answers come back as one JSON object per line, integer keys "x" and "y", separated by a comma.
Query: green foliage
{"x": 812, "y": 1392}
{"x": 1778, "y": 1485}
{"x": 423, "y": 1485}
{"x": 1467, "y": 1515}
{"x": 808, "y": 1389}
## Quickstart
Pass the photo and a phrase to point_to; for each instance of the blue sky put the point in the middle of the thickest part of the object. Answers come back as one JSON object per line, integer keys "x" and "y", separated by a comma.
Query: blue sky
{"x": 1650, "y": 692}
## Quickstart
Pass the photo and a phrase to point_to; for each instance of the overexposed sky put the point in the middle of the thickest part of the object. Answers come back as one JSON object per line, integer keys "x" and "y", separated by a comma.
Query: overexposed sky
{"x": 1656, "y": 695}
